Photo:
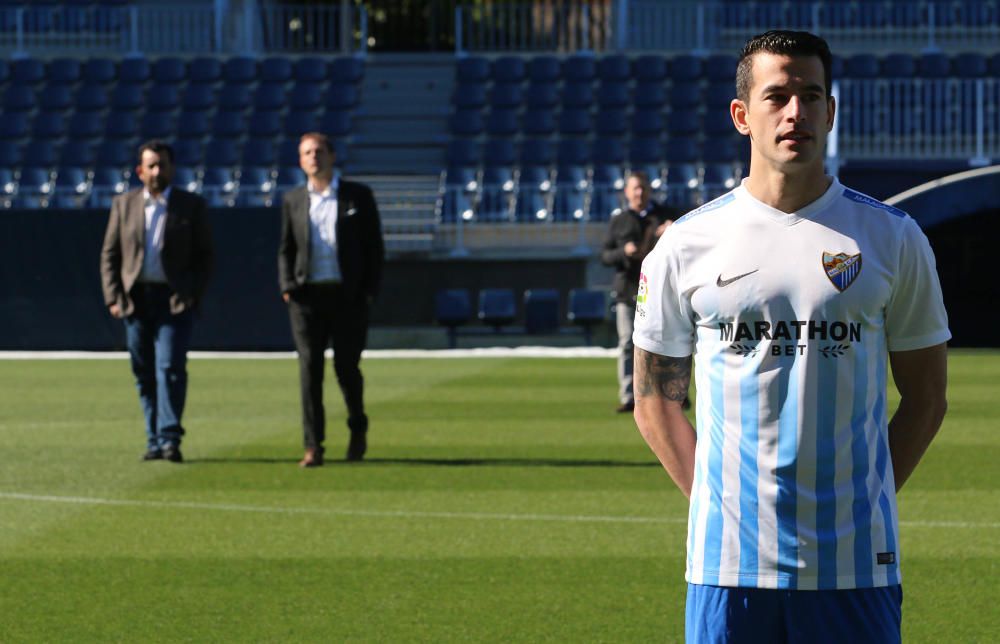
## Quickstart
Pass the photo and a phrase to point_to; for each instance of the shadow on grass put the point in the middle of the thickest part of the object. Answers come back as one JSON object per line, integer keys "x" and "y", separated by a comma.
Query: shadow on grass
{"x": 438, "y": 462}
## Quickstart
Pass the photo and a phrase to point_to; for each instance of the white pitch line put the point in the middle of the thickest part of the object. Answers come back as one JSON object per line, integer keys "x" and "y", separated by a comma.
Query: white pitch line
{"x": 226, "y": 507}
{"x": 376, "y": 354}
{"x": 400, "y": 514}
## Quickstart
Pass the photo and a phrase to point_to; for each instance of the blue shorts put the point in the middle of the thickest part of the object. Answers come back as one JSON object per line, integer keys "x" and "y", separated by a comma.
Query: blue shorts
{"x": 752, "y": 615}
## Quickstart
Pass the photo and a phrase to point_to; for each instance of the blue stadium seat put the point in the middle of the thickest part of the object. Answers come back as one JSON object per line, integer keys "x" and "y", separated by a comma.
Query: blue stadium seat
{"x": 463, "y": 152}
{"x": 289, "y": 177}
{"x": 126, "y": 97}
{"x": 650, "y": 68}
{"x": 577, "y": 95}
{"x": 608, "y": 151}
{"x": 682, "y": 150}
{"x": 341, "y": 97}
{"x": 335, "y": 123}
{"x": 541, "y": 310}
{"x": 718, "y": 123}
{"x": 685, "y": 95}
{"x": 48, "y": 126}
{"x": 288, "y": 156}
{"x": 508, "y": 69}
{"x": 157, "y": 125}
{"x": 647, "y": 155}
{"x": 221, "y": 154}
{"x": 256, "y": 187}
{"x": 933, "y": 65}
{"x": 18, "y": 98}
{"x": 614, "y": 68}
{"x": 112, "y": 154}
{"x": 613, "y": 94}
{"x": 683, "y": 122}
{"x": 27, "y": 71}
{"x": 134, "y": 71}
{"x": 55, "y": 97}
{"x": 298, "y": 122}
{"x": 90, "y": 98}
{"x": 10, "y": 154}
{"x": 187, "y": 179}
{"x": 452, "y": 308}
{"x": 76, "y": 154}
{"x": 240, "y": 70}
{"x": 305, "y": 96}
{"x": 579, "y": 68}
{"x": 899, "y": 66}
{"x": 311, "y": 69}
{"x": 496, "y": 201}
{"x": 258, "y": 153}
{"x": 219, "y": 186}
{"x": 611, "y": 122}
{"x": 536, "y": 152}
{"x": 192, "y": 125}
{"x": 228, "y": 125}
{"x": 72, "y": 187}
{"x": 534, "y": 193}
{"x": 189, "y": 152}
{"x": 467, "y": 122}
{"x": 573, "y": 152}
{"x": 121, "y": 126}
{"x": 4, "y": 71}
{"x": 14, "y": 126}
{"x": 541, "y": 95}
{"x": 276, "y": 69}
{"x": 460, "y": 188}
{"x": 587, "y": 308}
{"x": 995, "y": 64}
{"x": 35, "y": 183}
{"x": 497, "y": 307}
{"x": 505, "y": 95}
{"x": 472, "y": 69}
{"x": 685, "y": 67}
{"x": 862, "y": 66}
{"x": 470, "y": 96}
{"x": 719, "y": 95}
{"x": 970, "y": 65}
{"x": 502, "y": 122}
{"x": 722, "y": 149}
{"x": 721, "y": 67}
{"x": 205, "y": 69}
{"x": 647, "y": 123}
{"x": 347, "y": 70}
{"x": 234, "y": 97}
{"x": 499, "y": 152}
{"x": 198, "y": 96}
{"x": 64, "y": 70}
{"x": 270, "y": 96}
{"x": 163, "y": 98}
{"x": 652, "y": 94}
{"x": 719, "y": 178}
{"x": 265, "y": 123}
{"x": 99, "y": 71}
{"x": 169, "y": 71}
{"x": 538, "y": 122}
{"x": 573, "y": 122}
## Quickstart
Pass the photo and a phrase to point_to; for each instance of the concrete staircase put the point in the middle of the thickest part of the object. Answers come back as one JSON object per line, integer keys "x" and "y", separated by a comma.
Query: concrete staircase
{"x": 408, "y": 208}
{"x": 401, "y": 127}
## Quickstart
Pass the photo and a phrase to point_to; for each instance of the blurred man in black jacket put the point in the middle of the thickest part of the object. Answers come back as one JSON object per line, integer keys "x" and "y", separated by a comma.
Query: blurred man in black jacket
{"x": 631, "y": 235}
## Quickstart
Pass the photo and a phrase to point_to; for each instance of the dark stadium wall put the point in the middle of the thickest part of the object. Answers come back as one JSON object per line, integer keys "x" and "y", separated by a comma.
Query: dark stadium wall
{"x": 50, "y": 293}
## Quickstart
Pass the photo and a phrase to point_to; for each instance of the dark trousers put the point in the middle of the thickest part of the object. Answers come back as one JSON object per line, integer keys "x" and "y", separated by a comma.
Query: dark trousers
{"x": 157, "y": 342}
{"x": 321, "y": 315}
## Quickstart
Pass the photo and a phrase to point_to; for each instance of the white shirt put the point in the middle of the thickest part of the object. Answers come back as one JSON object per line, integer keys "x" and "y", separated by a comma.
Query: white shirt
{"x": 156, "y": 217}
{"x": 789, "y": 318}
{"x": 323, "y": 263}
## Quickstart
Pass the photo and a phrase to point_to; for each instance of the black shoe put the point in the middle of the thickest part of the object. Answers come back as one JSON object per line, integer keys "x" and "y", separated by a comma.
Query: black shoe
{"x": 173, "y": 454}
{"x": 153, "y": 454}
{"x": 357, "y": 447}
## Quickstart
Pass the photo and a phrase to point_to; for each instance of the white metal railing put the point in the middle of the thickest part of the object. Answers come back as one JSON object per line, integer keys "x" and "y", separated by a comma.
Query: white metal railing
{"x": 560, "y": 26}
{"x": 183, "y": 28}
{"x": 892, "y": 25}
{"x": 919, "y": 118}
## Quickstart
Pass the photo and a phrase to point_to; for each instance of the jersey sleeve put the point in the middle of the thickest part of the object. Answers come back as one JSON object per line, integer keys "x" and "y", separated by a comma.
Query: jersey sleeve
{"x": 915, "y": 315}
{"x": 663, "y": 323}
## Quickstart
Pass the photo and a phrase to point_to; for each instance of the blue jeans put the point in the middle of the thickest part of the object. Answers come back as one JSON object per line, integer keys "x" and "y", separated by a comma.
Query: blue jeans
{"x": 157, "y": 344}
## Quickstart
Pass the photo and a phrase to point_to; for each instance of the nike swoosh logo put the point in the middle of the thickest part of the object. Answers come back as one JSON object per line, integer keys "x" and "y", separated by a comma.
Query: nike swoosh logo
{"x": 721, "y": 282}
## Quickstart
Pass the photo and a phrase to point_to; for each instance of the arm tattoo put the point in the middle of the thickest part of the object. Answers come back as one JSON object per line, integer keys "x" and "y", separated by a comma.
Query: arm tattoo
{"x": 662, "y": 376}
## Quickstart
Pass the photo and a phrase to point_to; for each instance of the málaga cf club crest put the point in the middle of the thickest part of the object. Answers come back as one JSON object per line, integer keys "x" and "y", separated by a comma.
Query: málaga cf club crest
{"x": 842, "y": 269}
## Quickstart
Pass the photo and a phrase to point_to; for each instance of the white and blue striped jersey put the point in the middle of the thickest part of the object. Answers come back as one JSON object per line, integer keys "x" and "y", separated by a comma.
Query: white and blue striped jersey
{"x": 789, "y": 318}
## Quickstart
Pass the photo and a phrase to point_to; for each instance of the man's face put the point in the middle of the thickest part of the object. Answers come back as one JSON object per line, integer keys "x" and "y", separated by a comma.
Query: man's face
{"x": 788, "y": 113}
{"x": 315, "y": 159}
{"x": 636, "y": 194}
{"x": 155, "y": 171}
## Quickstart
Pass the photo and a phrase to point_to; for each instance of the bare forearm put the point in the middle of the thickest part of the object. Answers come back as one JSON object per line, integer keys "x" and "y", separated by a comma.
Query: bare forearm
{"x": 911, "y": 430}
{"x": 661, "y": 386}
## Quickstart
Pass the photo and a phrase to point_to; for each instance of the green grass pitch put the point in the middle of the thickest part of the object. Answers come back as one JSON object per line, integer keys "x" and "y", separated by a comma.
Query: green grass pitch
{"x": 503, "y": 501}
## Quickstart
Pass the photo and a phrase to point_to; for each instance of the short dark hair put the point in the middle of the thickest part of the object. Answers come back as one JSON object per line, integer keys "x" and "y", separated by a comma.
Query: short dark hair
{"x": 159, "y": 147}
{"x": 786, "y": 43}
{"x": 638, "y": 174}
{"x": 319, "y": 137}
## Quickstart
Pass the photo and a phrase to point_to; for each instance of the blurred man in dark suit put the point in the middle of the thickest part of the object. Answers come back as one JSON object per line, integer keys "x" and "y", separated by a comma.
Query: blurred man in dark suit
{"x": 329, "y": 270}
{"x": 155, "y": 265}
